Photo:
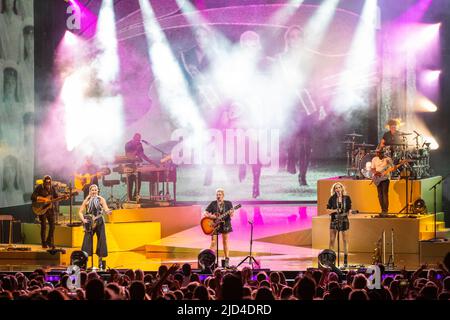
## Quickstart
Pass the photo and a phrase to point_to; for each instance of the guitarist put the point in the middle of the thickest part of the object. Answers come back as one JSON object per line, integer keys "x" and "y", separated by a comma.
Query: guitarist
{"x": 95, "y": 205}
{"x": 338, "y": 207}
{"x": 379, "y": 164}
{"x": 214, "y": 209}
{"x": 88, "y": 168}
{"x": 46, "y": 190}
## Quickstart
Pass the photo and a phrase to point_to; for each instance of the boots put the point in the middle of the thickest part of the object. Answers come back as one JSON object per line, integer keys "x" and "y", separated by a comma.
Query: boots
{"x": 226, "y": 263}
{"x": 345, "y": 261}
{"x": 101, "y": 264}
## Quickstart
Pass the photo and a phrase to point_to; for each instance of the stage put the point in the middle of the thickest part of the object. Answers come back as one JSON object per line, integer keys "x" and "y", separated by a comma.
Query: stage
{"x": 286, "y": 238}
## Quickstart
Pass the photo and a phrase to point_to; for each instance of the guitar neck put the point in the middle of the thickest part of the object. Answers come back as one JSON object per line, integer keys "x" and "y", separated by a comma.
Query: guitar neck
{"x": 223, "y": 215}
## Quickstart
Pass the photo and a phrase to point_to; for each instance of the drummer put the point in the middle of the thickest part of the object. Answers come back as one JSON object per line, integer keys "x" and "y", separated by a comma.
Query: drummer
{"x": 391, "y": 137}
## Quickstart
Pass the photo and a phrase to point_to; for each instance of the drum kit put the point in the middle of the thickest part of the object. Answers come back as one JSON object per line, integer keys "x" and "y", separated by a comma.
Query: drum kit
{"x": 360, "y": 155}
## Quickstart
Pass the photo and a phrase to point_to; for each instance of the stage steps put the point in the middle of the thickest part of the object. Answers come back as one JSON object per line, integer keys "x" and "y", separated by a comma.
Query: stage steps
{"x": 173, "y": 249}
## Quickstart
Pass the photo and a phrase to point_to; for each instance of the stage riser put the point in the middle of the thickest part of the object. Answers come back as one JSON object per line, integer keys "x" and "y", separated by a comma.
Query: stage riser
{"x": 432, "y": 252}
{"x": 120, "y": 236}
{"x": 365, "y": 231}
{"x": 365, "y": 197}
{"x": 172, "y": 219}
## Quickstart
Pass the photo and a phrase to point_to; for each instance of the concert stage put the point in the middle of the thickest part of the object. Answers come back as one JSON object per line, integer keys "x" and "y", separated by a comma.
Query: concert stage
{"x": 284, "y": 239}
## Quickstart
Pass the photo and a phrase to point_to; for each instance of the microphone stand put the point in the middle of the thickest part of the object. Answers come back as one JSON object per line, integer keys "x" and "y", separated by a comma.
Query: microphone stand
{"x": 250, "y": 258}
{"x": 434, "y": 187}
{"x": 70, "y": 206}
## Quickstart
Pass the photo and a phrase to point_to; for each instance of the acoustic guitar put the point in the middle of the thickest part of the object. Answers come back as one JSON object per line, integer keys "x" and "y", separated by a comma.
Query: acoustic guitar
{"x": 43, "y": 204}
{"x": 81, "y": 180}
{"x": 209, "y": 225}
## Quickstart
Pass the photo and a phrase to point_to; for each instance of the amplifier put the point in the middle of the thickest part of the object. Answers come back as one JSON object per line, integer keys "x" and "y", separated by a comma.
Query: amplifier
{"x": 5, "y": 227}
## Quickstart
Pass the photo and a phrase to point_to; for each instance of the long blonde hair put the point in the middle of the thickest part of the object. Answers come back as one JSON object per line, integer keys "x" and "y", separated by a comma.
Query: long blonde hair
{"x": 332, "y": 192}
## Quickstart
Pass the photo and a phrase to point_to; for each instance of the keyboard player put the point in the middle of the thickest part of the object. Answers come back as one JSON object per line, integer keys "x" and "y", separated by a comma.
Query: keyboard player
{"x": 135, "y": 150}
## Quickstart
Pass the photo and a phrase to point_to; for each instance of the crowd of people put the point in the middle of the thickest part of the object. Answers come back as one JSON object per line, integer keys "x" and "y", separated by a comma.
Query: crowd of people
{"x": 175, "y": 283}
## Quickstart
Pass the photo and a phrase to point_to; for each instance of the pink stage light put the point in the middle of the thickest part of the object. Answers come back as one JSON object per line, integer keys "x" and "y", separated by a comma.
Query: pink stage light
{"x": 430, "y": 77}
{"x": 88, "y": 19}
{"x": 70, "y": 39}
{"x": 416, "y": 12}
{"x": 422, "y": 37}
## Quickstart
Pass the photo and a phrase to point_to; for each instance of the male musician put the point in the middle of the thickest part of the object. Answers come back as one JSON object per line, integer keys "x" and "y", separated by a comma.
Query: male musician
{"x": 214, "y": 209}
{"x": 391, "y": 137}
{"x": 379, "y": 164}
{"x": 95, "y": 206}
{"x": 46, "y": 190}
{"x": 90, "y": 169}
{"x": 135, "y": 150}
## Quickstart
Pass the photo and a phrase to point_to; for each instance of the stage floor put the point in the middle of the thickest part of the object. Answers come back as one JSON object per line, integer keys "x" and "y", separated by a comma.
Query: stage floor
{"x": 281, "y": 241}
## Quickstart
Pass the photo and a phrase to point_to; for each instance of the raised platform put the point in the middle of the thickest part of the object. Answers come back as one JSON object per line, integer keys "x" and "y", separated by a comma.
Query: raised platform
{"x": 126, "y": 229}
{"x": 365, "y": 197}
{"x": 366, "y": 229}
{"x": 432, "y": 252}
{"x": 120, "y": 236}
{"x": 172, "y": 219}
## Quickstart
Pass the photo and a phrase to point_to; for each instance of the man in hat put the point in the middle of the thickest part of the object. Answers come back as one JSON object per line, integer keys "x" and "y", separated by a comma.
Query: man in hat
{"x": 45, "y": 192}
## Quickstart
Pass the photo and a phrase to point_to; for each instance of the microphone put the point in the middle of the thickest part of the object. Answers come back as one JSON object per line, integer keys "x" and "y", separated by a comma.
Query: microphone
{"x": 251, "y": 222}
{"x": 416, "y": 133}
{"x": 145, "y": 142}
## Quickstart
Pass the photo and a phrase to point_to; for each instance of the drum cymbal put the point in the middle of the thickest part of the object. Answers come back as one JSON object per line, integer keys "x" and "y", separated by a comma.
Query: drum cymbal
{"x": 353, "y": 135}
{"x": 348, "y": 142}
{"x": 364, "y": 145}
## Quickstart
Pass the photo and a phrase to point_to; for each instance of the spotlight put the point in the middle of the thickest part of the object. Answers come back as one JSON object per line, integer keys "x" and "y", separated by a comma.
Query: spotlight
{"x": 419, "y": 207}
{"x": 327, "y": 258}
{"x": 206, "y": 260}
{"x": 79, "y": 258}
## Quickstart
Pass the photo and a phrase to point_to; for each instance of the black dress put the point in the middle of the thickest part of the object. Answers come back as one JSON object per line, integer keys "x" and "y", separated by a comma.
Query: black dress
{"x": 213, "y": 208}
{"x": 341, "y": 224}
{"x": 94, "y": 208}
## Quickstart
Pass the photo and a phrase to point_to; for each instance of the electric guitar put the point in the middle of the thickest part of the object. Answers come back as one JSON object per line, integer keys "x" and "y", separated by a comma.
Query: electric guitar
{"x": 383, "y": 175}
{"x": 209, "y": 225}
{"x": 339, "y": 215}
{"x": 43, "y": 204}
{"x": 92, "y": 220}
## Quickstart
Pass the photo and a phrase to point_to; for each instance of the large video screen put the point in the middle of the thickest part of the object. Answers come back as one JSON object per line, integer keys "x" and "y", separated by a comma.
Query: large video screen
{"x": 16, "y": 102}
{"x": 259, "y": 100}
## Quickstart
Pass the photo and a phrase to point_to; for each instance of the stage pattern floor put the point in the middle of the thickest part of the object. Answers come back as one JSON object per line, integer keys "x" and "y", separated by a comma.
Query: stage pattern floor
{"x": 281, "y": 241}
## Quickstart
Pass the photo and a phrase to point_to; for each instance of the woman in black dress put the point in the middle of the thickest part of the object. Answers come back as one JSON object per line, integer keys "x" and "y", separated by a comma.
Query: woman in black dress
{"x": 338, "y": 207}
{"x": 215, "y": 208}
{"x": 95, "y": 205}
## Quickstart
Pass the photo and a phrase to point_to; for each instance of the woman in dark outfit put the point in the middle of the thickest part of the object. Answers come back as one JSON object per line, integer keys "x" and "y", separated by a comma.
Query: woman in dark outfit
{"x": 95, "y": 205}
{"x": 338, "y": 207}
{"x": 216, "y": 208}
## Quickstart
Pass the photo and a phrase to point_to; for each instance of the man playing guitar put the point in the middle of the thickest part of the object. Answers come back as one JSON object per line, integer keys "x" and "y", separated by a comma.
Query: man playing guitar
{"x": 45, "y": 193}
{"x": 214, "y": 209}
{"x": 86, "y": 176}
{"x": 380, "y": 163}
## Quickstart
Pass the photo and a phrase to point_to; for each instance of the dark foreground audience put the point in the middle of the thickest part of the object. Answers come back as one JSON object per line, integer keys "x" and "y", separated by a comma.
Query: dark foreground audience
{"x": 174, "y": 283}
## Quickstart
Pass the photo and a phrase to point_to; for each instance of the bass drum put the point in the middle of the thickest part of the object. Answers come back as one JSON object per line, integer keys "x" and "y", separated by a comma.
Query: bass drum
{"x": 365, "y": 165}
